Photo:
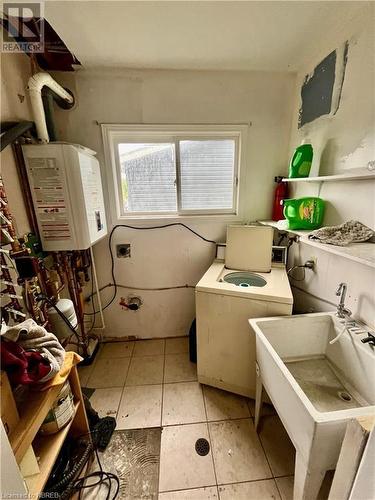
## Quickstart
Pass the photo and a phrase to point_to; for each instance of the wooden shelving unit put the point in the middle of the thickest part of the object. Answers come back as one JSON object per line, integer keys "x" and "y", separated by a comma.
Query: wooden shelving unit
{"x": 364, "y": 253}
{"x": 32, "y": 412}
{"x": 47, "y": 449}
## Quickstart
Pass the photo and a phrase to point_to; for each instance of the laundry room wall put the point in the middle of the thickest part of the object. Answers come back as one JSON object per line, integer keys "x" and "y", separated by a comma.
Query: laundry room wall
{"x": 15, "y": 106}
{"x": 348, "y": 140}
{"x": 173, "y": 256}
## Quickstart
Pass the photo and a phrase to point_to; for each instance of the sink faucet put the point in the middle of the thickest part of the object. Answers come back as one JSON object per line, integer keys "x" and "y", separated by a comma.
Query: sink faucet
{"x": 342, "y": 311}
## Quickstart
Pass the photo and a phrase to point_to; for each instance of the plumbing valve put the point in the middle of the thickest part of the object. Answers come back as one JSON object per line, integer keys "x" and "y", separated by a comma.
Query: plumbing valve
{"x": 131, "y": 303}
{"x": 370, "y": 339}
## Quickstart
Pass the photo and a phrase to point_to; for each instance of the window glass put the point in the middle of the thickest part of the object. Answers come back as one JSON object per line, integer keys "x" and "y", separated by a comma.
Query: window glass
{"x": 148, "y": 177}
{"x": 207, "y": 170}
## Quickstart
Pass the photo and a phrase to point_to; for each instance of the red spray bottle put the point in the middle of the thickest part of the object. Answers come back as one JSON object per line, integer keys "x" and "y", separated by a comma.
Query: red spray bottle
{"x": 281, "y": 193}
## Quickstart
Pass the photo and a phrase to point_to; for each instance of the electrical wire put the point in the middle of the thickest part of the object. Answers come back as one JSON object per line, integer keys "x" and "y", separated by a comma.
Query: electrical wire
{"x": 79, "y": 485}
{"x": 314, "y": 296}
{"x": 103, "y": 476}
{"x": 171, "y": 224}
{"x": 93, "y": 307}
{"x": 159, "y": 289}
{"x": 62, "y": 315}
{"x": 127, "y": 226}
{"x": 73, "y": 485}
{"x": 309, "y": 264}
{"x": 92, "y": 303}
{"x": 143, "y": 289}
{"x": 290, "y": 271}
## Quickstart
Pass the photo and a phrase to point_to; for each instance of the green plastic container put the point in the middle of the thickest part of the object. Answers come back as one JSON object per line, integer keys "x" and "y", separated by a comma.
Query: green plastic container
{"x": 300, "y": 164}
{"x": 304, "y": 213}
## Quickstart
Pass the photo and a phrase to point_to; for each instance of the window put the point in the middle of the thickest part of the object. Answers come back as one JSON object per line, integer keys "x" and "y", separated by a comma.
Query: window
{"x": 159, "y": 170}
{"x": 148, "y": 177}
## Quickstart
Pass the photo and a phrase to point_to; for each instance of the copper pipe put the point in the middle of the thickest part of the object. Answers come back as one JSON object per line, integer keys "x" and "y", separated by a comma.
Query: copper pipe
{"x": 73, "y": 291}
{"x": 22, "y": 176}
{"x": 76, "y": 266}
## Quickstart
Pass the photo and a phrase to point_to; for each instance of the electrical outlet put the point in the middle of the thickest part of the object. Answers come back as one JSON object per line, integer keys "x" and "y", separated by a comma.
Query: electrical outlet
{"x": 123, "y": 250}
{"x": 279, "y": 254}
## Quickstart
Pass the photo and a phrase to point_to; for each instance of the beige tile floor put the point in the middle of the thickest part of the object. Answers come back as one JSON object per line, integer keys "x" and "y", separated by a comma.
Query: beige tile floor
{"x": 151, "y": 383}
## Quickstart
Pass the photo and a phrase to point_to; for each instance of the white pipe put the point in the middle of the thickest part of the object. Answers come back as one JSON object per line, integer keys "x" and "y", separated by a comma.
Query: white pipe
{"x": 340, "y": 334}
{"x": 35, "y": 85}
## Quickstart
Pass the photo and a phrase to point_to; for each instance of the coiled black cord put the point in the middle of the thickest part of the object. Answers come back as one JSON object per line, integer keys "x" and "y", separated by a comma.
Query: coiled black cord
{"x": 76, "y": 469}
{"x": 72, "y": 485}
{"x": 103, "y": 477}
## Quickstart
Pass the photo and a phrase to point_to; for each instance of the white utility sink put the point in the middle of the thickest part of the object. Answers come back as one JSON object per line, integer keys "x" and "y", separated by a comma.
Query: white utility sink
{"x": 315, "y": 386}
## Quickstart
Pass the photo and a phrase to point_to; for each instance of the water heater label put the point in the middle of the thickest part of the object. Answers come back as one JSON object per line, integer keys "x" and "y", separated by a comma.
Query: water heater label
{"x": 48, "y": 187}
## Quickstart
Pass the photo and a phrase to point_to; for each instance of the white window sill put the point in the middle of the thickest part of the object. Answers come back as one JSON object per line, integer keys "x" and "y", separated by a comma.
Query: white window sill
{"x": 148, "y": 220}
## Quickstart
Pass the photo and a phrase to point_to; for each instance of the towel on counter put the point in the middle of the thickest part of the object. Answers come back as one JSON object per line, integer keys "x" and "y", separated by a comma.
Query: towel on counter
{"x": 32, "y": 337}
{"x": 71, "y": 359}
{"x": 344, "y": 234}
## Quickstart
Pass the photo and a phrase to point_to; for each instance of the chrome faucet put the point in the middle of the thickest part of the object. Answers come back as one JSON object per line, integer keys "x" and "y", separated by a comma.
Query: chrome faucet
{"x": 342, "y": 311}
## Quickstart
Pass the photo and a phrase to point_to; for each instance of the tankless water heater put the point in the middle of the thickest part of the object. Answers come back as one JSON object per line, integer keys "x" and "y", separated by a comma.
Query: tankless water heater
{"x": 67, "y": 193}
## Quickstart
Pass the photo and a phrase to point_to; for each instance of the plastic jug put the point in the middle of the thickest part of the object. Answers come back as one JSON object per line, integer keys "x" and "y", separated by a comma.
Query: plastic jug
{"x": 300, "y": 163}
{"x": 304, "y": 213}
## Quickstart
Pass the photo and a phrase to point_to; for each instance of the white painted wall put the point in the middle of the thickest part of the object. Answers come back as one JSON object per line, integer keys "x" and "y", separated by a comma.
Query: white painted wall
{"x": 265, "y": 99}
{"x": 173, "y": 256}
{"x": 15, "y": 105}
{"x": 348, "y": 138}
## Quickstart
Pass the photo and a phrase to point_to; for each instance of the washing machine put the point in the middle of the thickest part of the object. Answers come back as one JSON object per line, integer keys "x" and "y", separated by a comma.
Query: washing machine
{"x": 225, "y": 300}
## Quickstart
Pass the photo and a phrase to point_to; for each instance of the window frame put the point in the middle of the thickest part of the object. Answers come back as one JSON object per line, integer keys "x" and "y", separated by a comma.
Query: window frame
{"x": 115, "y": 134}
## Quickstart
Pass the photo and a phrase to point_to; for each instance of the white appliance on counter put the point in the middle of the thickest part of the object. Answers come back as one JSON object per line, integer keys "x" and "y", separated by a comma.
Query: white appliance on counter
{"x": 67, "y": 194}
{"x": 249, "y": 248}
{"x": 225, "y": 300}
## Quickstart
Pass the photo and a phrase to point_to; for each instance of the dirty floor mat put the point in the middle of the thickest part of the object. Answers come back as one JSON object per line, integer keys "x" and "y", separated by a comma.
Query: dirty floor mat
{"x": 133, "y": 455}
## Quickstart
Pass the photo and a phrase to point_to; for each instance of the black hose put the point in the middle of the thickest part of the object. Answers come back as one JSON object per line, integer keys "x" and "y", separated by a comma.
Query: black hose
{"x": 11, "y": 131}
{"x": 127, "y": 226}
{"x": 76, "y": 469}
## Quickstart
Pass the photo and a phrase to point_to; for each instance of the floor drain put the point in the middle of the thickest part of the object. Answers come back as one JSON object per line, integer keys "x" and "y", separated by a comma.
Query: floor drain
{"x": 345, "y": 396}
{"x": 202, "y": 447}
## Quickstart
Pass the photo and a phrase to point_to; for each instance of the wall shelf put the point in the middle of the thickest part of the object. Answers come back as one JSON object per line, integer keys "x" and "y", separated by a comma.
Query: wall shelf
{"x": 32, "y": 413}
{"x": 32, "y": 408}
{"x": 47, "y": 448}
{"x": 364, "y": 253}
{"x": 334, "y": 178}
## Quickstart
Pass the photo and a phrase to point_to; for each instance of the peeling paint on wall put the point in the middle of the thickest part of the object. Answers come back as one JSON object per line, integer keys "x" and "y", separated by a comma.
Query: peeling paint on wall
{"x": 317, "y": 91}
{"x": 321, "y": 89}
{"x": 340, "y": 75}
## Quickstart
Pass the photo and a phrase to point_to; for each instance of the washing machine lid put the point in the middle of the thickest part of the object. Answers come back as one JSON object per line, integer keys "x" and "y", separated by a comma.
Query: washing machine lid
{"x": 276, "y": 289}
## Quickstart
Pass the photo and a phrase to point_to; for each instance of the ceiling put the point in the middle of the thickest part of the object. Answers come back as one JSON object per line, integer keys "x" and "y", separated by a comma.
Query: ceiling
{"x": 239, "y": 35}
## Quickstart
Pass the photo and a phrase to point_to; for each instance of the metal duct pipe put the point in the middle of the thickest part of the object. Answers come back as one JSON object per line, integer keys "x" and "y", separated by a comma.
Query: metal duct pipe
{"x": 47, "y": 98}
{"x": 35, "y": 85}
